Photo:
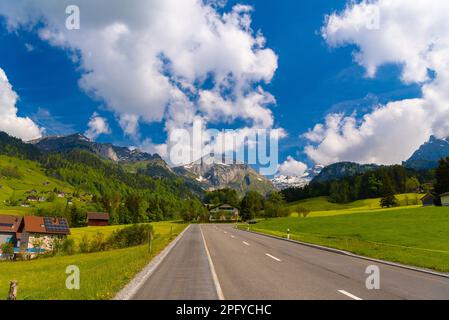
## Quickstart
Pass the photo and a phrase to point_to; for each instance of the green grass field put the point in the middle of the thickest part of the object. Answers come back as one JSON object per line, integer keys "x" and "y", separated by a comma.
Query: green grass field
{"x": 103, "y": 274}
{"x": 321, "y": 206}
{"x": 414, "y": 236}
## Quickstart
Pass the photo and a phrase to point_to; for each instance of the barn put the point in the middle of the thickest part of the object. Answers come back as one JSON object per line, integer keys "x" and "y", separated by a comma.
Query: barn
{"x": 97, "y": 219}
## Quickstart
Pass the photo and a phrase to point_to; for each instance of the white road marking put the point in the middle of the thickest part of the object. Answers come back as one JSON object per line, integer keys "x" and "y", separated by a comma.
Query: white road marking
{"x": 350, "y": 295}
{"x": 212, "y": 270}
{"x": 225, "y": 232}
{"x": 272, "y": 257}
{"x": 245, "y": 243}
{"x": 232, "y": 237}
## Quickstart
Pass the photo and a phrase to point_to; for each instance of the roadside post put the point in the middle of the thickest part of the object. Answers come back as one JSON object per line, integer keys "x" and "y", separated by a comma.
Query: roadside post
{"x": 150, "y": 241}
{"x": 288, "y": 234}
{"x": 13, "y": 286}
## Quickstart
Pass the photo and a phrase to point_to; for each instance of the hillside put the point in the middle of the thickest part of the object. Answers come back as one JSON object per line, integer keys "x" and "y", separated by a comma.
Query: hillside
{"x": 70, "y": 182}
{"x": 24, "y": 187}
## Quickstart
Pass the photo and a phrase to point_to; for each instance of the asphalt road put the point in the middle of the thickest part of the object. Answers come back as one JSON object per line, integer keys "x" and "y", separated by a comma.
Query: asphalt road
{"x": 249, "y": 266}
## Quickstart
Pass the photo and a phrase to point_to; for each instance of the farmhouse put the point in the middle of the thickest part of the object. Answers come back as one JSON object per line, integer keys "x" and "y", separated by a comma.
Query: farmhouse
{"x": 224, "y": 212}
{"x": 10, "y": 226}
{"x": 445, "y": 199}
{"x": 40, "y": 233}
{"x": 97, "y": 219}
{"x": 428, "y": 200}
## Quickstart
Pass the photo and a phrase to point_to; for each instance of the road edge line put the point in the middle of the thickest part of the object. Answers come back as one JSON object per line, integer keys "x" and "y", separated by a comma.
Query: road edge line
{"x": 136, "y": 283}
{"x": 350, "y": 254}
{"x": 212, "y": 270}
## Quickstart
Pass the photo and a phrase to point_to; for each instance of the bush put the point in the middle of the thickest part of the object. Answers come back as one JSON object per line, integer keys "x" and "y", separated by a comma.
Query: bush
{"x": 7, "y": 248}
{"x": 68, "y": 246}
{"x": 130, "y": 236}
{"x": 84, "y": 244}
{"x": 98, "y": 243}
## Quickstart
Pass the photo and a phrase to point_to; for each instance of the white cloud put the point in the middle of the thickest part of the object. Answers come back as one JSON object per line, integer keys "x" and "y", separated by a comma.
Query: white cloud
{"x": 19, "y": 127}
{"x": 97, "y": 125}
{"x": 292, "y": 168}
{"x": 155, "y": 60}
{"x": 412, "y": 34}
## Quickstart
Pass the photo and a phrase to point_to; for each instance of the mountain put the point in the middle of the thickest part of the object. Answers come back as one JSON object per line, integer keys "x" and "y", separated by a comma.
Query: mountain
{"x": 284, "y": 182}
{"x": 78, "y": 141}
{"x": 213, "y": 174}
{"x": 340, "y": 170}
{"x": 428, "y": 155}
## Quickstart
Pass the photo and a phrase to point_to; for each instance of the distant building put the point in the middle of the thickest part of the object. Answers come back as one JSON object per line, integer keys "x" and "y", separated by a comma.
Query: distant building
{"x": 445, "y": 199}
{"x": 428, "y": 200}
{"x": 224, "y": 212}
{"x": 97, "y": 219}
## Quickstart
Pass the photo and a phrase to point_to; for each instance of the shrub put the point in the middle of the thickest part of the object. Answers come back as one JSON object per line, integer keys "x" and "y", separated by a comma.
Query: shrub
{"x": 98, "y": 243}
{"x": 7, "y": 248}
{"x": 131, "y": 236}
{"x": 68, "y": 246}
{"x": 84, "y": 244}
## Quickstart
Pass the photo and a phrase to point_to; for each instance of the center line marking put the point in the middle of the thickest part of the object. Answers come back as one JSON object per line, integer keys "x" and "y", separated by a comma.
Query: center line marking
{"x": 272, "y": 257}
{"x": 245, "y": 243}
{"x": 225, "y": 232}
{"x": 350, "y": 295}
{"x": 232, "y": 237}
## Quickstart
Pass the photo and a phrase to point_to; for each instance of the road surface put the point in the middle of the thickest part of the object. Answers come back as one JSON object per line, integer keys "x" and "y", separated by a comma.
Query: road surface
{"x": 247, "y": 266}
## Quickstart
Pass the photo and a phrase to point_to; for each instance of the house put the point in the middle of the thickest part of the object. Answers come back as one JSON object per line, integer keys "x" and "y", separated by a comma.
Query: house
{"x": 224, "y": 212}
{"x": 445, "y": 199}
{"x": 428, "y": 200}
{"x": 97, "y": 219}
{"x": 32, "y": 199}
{"x": 40, "y": 233}
{"x": 10, "y": 228}
{"x": 61, "y": 194}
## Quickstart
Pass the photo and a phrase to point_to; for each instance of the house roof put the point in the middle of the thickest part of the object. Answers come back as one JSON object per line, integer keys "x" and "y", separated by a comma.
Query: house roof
{"x": 46, "y": 225}
{"x": 97, "y": 216}
{"x": 428, "y": 195}
{"x": 444, "y": 194}
{"x": 10, "y": 223}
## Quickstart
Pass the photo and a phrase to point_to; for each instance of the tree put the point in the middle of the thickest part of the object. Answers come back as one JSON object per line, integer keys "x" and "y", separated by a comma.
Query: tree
{"x": 412, "y": 184}
{"x": 274, "y": 205}
{"x": 250, "y": 205}
{"x": 388, "y": 199}
{"x": 442, "y": 177}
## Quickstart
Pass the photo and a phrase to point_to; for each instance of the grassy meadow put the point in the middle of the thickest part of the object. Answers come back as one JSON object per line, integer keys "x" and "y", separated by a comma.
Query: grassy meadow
{"x": 103, "y": 274}
{"x": 410, "y": 235}
{"x": 321, "y": 206}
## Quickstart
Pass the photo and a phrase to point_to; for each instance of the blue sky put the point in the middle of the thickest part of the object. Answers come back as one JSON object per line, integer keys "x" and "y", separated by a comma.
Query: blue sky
{"x": 312, "y": 79}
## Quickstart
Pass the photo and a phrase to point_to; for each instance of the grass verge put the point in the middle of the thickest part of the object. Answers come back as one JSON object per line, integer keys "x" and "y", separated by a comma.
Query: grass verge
{"x": 102, "y": 274}
{"x": 413, "y": 236}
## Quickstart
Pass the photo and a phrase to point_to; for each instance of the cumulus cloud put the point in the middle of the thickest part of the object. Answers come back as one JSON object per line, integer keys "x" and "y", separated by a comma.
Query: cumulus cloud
{"x": 97, "y": 125}
{"x": 413, "y": 35}
{"x": 161, "y": 60}
{"x": 292, "y": 168}
{"x": 19, "y": 127}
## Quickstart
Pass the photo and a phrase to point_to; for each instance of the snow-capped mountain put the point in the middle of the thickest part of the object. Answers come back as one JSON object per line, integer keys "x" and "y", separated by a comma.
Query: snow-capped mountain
{"x": 213, "y": 174}
{"x": 284, "y": 182}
